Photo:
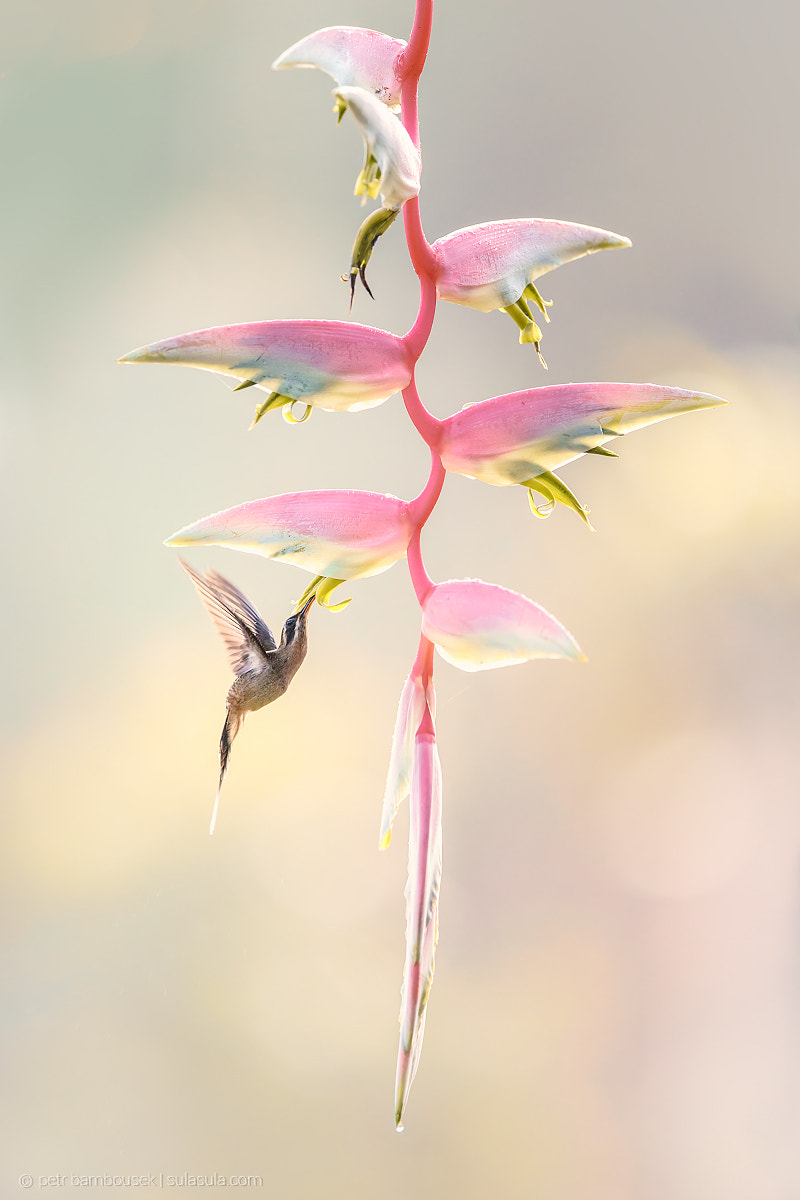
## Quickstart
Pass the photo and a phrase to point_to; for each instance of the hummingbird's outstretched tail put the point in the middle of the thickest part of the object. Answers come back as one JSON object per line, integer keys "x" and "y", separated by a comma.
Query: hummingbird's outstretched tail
{"x": 233, "y": 720}
{"x": 263, "y": 669}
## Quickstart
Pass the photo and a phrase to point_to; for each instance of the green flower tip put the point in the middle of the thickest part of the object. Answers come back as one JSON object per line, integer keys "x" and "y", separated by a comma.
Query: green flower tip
{"x": 274, "y": 400}
{"x": 368, "y": 184}
{"x": 522, "y": 316}
{"x": 554, "y": 491}
{"x": 320, "y": 588}
{"x": 374, "y": 227}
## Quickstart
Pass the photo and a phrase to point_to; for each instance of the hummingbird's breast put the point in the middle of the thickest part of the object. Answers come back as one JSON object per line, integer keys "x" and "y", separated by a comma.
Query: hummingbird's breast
{"x": 255, "y": 689}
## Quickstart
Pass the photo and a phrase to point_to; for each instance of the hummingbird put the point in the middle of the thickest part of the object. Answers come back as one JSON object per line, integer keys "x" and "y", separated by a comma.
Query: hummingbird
{"x": 263, "y": 669}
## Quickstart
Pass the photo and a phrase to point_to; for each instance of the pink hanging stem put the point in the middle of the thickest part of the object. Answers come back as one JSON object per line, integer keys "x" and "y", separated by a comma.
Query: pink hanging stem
{"x": 424, "y": 262}
{"x": 410, "y": 68}
{"x": 428, "y": 426}
{"x": 417, "y": 336}
{"x": 420, "y": 578}
{"x": 421, "y": 507}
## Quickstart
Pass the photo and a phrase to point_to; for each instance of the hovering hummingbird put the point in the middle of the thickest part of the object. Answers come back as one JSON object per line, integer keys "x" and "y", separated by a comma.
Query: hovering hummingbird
{"x": 263, "y": 669}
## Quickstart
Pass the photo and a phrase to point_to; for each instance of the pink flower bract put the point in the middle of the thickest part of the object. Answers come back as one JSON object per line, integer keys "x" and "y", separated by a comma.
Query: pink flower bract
{"x": 489, "y": 266}
{"x": 353, "y": 57}
{"x": 513, "y": 438}
{"x": 335, "y": 365}
{"x": 337, "y": 534}
{"x": 477, "y": 626}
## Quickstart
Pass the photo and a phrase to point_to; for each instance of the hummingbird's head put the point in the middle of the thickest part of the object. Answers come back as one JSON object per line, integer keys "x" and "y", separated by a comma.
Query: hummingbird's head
{"x": 295, "y": 626}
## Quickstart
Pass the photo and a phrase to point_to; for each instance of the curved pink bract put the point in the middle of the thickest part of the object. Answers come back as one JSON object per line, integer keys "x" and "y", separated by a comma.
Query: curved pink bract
{"x": 352, "y": 57}
{"x": 477, "y": 626}
{"x": 511, "y": 438}
{"x": 339, "y": 534}
{"x": 489, "y": 266}
{"x": 334, "y": 365}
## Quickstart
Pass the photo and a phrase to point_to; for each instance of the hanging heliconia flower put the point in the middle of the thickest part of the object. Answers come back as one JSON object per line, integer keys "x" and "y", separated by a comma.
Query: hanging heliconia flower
{"x": 519, "y": 438}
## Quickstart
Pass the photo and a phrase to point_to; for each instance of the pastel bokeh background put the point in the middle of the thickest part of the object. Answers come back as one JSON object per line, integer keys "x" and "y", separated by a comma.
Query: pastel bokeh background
{"x": 615, "y": 1012}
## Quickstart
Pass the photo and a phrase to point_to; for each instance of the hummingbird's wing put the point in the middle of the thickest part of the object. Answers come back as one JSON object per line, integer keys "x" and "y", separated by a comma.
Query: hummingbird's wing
{"x": 247, "y": 637}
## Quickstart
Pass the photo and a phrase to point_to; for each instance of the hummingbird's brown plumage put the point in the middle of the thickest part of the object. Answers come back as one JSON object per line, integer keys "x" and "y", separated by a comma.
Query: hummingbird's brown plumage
{"x": 263, "y": 669}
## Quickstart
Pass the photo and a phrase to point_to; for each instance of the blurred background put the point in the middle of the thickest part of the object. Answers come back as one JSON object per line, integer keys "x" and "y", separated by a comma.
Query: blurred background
{"x": 615, "y": 1012}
